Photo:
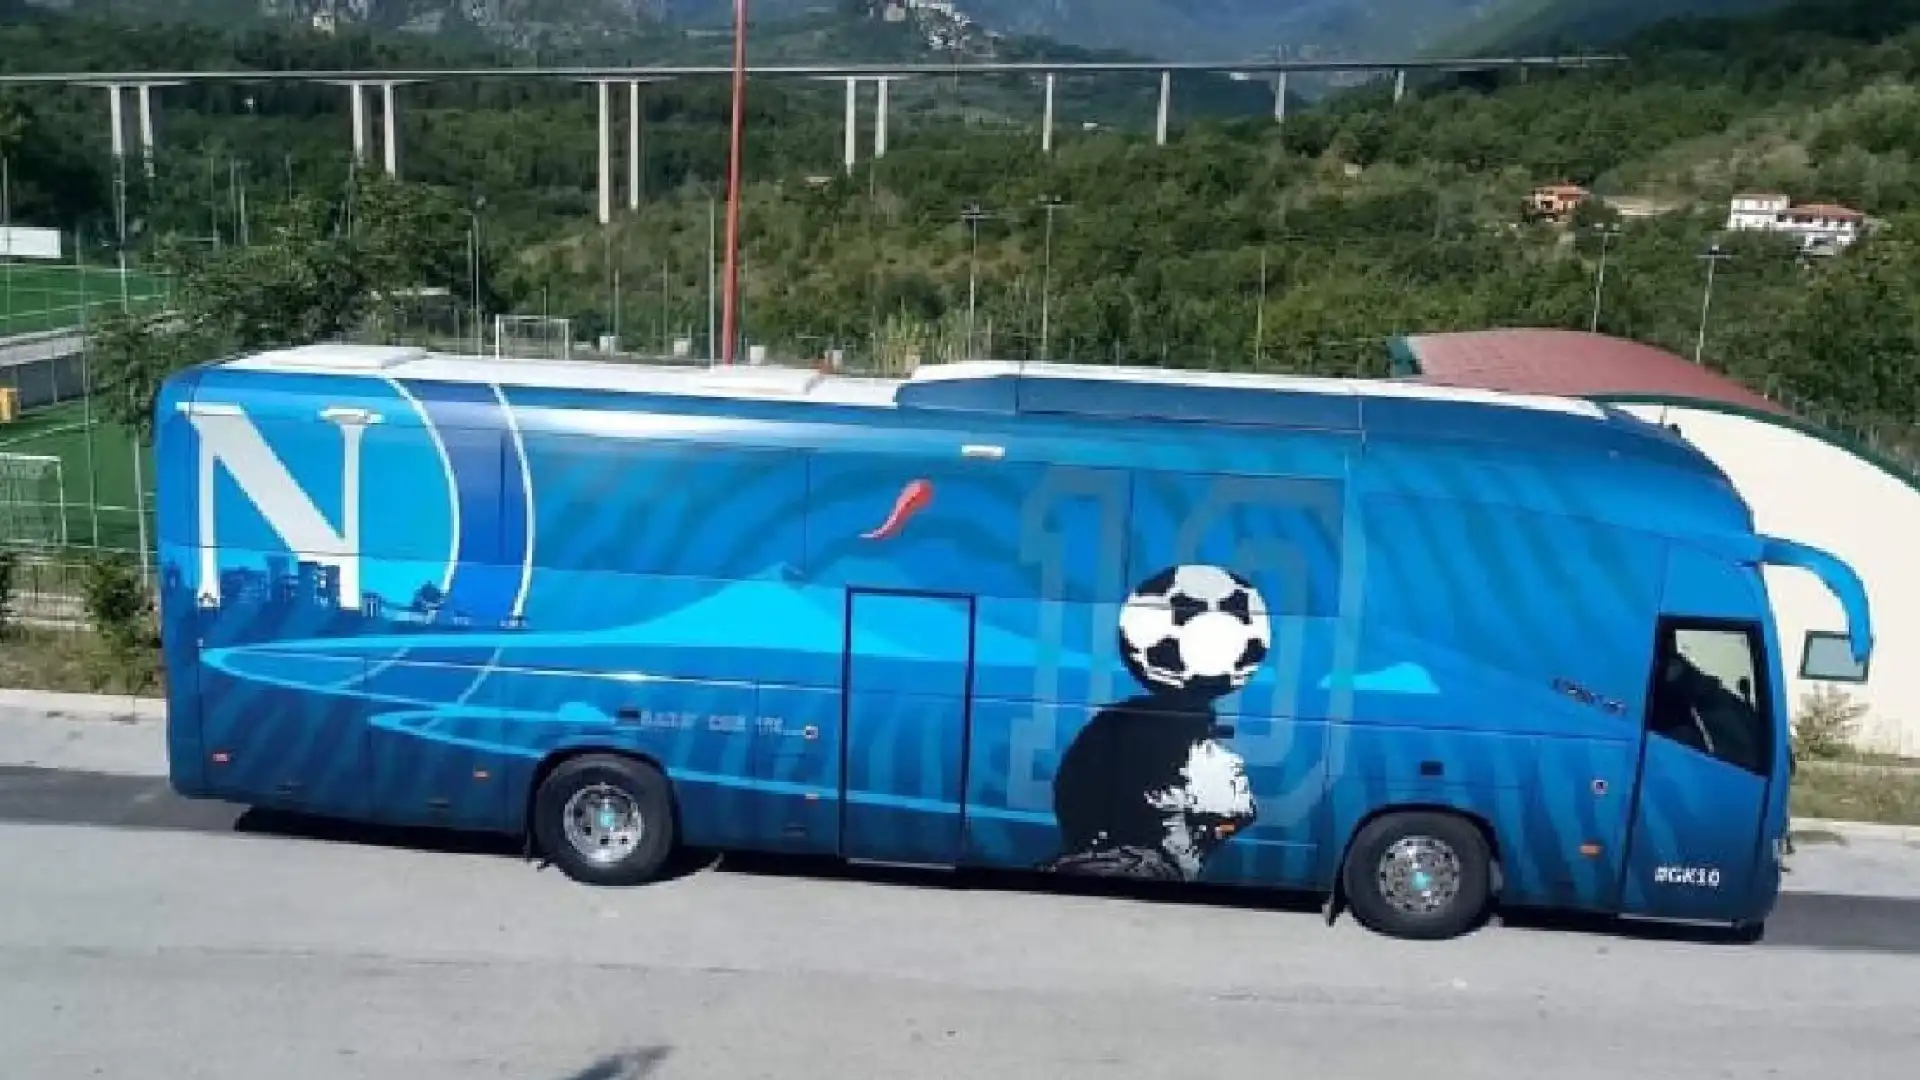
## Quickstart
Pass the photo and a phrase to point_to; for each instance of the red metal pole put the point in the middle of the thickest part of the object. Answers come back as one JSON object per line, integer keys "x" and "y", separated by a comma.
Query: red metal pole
{"x": 730, "y": 303}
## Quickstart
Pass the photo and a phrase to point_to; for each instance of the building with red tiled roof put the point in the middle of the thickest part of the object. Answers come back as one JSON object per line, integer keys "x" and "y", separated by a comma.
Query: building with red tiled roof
{"x": 1557, "y": 201}
{"x": 1567, "y": 363}
{"x": 1799, "y": 480}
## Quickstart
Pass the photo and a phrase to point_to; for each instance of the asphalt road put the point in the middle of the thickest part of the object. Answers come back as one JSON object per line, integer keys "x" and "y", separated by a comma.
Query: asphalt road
{"x": 146, "y": 937}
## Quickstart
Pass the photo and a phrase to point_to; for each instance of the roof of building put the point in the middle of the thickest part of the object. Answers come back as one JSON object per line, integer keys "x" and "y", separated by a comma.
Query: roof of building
{"x": 1825, "y": 210}
{"x": 1569, "y": 363}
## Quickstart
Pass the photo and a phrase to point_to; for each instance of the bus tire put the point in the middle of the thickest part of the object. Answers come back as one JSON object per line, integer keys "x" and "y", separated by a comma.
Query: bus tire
{"x": 1418, "y": 875}
{"x": 605, "y": 820}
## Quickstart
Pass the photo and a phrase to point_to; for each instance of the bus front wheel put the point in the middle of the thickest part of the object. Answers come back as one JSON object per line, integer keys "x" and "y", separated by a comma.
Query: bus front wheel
{"x": 605, "y": 820}
{"x": 1418, "y": 875}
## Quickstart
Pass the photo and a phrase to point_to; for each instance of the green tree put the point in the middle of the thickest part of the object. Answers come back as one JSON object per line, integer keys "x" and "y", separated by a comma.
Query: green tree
{"x": 319, "y": 270}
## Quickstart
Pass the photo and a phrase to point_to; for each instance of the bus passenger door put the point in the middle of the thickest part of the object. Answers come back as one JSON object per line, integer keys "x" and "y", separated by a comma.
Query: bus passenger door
{"x": 904, "y": 750}
{"x": 1706, "y": 762}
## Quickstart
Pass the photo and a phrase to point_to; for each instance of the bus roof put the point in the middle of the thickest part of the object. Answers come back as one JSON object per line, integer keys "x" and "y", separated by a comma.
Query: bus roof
{"x": 1115, "y": 392}
{"x": 1373, "y": 407}
{"x": 1095, "y": 415}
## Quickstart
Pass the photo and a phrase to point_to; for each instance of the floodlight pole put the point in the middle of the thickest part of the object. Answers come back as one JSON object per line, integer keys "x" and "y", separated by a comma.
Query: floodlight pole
{"x": 1607, "y": 233}
{"x": 1712, "y": 256}
{"x": 730, "y": 316}
{"x": 1052, "y": 204}
{"x": 973, "y": 215}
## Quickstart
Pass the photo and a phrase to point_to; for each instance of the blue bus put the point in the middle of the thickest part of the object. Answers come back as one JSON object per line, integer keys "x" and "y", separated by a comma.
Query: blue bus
{"x": 1424, "y": 650}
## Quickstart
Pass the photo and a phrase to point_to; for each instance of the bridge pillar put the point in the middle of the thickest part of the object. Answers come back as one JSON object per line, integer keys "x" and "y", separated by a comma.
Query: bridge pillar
{"x": 852, "y": 149}
{"x": 359, "y": 106}
{"x": 1166, "y": 107}
{"x": 1046, "y": 119}
{"x": 1280, "y": 97}
{"x": 603, "y": 91}
{"x": 880, "y": 116}
{"x": 1400, "y": 86}
{"x": 389, "y": 129}
{"x": 363, "y": 124}
{"x": 633, "y": 144}
{"x": 119, "y": 121}
{"x": 146, "y": 128}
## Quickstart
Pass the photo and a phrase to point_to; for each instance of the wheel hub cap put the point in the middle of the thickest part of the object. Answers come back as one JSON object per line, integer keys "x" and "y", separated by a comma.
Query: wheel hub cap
{"x": 603, "y": 823}
{"x": 1419, "y": 875}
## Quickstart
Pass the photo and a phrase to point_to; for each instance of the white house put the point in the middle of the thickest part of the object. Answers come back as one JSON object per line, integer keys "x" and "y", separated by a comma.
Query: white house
{"x": 1817, "y": 226}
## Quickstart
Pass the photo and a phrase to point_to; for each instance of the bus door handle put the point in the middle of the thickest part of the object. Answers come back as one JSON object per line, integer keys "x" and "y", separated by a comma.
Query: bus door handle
{"x": 810, "y": 732}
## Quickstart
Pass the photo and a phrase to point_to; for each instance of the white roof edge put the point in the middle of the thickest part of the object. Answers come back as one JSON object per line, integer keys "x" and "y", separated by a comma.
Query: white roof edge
{"x": 753, "y": 382}
{"x": 334, "y": 356}
{"x": 1236, "y": 380}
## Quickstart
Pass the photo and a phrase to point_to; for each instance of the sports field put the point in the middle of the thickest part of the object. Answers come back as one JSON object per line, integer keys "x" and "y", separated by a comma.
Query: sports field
{"x": 36, "y": 296}
{"x": 95, "y": 480}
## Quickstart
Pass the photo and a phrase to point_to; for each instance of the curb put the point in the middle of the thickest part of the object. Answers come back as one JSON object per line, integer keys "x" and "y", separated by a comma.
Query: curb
{"x": 124, "y": 708}
{"x": 130, "y": 709}
{"x": 1860, "y": 830}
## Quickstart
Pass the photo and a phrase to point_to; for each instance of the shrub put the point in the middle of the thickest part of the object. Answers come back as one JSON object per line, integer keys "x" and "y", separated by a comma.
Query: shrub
{"x": 122, "y": 617}
{"x": 9, "y": 564}
{"x": 1827, "y": 722}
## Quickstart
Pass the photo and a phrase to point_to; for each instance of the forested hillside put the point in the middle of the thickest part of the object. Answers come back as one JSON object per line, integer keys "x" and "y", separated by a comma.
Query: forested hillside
{"x": 1238, "y": 246}
{"x": 1522, "y": 25}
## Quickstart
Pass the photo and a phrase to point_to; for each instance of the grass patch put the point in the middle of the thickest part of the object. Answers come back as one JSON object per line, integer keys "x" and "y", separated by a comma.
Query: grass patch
{"x": 96, "y": 472}
{"x": 1819, "y": 836}
{"x": 1887, "y": 796}
{"x": 37, "y": 297}
{"x": 71, "y": 662}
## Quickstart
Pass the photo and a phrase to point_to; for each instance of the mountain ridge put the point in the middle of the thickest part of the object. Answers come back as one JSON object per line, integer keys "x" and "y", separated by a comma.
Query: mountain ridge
{"x": 1161, "y": 29}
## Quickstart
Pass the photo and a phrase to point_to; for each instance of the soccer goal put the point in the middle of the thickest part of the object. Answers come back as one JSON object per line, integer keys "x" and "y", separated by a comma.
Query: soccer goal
{"x": 33, "y": 501}
{"x": 536, "y": 336}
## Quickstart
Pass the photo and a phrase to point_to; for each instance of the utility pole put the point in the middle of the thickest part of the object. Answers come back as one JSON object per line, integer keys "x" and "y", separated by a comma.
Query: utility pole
{"x": 1260, "y": 316}
{"x": 1607, "y": 231}
{"x": 6, "y": 227}
{"x": 473, "y": 270}
{"x": 1713, "y": 256}
{"x": 973, "y": 215}
{"x": 732, "y": 302}
{"x": 713, "y": 274}
{"x": 1052, "y": 204}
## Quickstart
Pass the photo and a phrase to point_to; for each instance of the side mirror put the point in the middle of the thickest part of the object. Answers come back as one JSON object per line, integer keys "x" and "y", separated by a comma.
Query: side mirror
{"x": 1828, "y": 657}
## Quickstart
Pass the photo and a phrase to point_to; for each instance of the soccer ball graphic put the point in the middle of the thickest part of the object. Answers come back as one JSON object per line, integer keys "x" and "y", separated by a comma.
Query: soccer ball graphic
{"x": 1195, "y": 630}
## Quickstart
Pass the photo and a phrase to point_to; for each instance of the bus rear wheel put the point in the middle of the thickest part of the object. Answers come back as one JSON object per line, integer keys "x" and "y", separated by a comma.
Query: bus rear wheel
{"x": 1418, "y": 875}
{"x": 605, "y": 820}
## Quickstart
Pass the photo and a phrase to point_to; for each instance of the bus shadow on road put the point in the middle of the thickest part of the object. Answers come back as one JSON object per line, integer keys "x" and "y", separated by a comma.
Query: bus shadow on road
{"x": 1844, "y": 922}
{"x": 688, "y": 862}
{"x": 760, "y": 864}
{"x": 1827, "y": 922}
{"x": 289, "y": 825}
{"x": 1821, "y": 921}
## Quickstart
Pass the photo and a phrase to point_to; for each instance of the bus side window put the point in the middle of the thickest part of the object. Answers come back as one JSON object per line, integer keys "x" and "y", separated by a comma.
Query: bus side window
{"x": 1708, "y": 694}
